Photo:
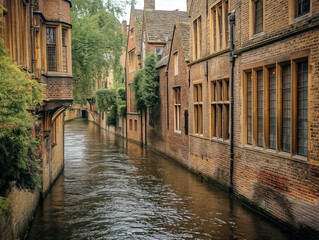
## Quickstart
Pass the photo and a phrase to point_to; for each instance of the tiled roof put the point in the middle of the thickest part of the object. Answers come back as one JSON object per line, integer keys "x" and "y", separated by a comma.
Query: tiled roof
{"x": 138, "y": 24}
{"x": 163, "y": 62}
{"x": 160, "y": 23}
{"x": 184, "y": 28}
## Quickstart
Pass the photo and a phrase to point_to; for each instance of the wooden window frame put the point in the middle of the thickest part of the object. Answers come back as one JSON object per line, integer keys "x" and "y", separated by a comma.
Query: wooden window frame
{"x": 197, "y": 38}
{"x": 177, "y": 109}
{"x": 219, "y": 27}
{"x": 252, "y": 18}
{"x": 198, "y": 108}
{"x": 303, "y": 12}
{"x": 175, "y": 63}
{"x": 55, "y": 45}
{"x": 219, "y": 109}
{"x": 283, "y": 78}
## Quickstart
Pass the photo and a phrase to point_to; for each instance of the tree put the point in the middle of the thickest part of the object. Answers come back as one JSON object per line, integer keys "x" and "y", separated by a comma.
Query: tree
{"x": 145, "y": 85}
{"x": 97, "y": 43}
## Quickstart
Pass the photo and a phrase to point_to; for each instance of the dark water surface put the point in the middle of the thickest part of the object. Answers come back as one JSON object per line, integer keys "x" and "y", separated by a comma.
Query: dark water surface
{"x": 113, "y": 189}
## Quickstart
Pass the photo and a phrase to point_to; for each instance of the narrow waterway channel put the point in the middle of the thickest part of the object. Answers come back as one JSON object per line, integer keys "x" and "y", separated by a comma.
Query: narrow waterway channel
{"x": 114, "y": 189}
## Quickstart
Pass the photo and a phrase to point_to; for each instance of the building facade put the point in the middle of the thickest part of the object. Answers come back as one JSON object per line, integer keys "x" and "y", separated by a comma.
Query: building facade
{"x": 263, "y": 64}
{"x": 37, "y": 36}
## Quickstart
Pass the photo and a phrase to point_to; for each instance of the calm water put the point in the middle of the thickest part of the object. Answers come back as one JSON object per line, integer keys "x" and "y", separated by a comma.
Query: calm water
{"x": 113, "y": 189}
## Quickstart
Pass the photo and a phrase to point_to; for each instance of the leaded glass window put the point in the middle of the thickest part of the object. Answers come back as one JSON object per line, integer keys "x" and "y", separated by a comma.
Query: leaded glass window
{"x": 272, "y": 108}
{"x": 303, "y": 7}
{"x": 286, "y": 108}
{"x": 258, "y": 16}
{"x": 302, "y": 108}
{"x": 249, "y": 109}
{"x": 260, "y": 109}
{"x": 51, "y": 49}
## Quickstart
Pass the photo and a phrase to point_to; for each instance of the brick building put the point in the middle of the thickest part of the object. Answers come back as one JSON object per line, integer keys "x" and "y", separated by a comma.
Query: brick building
{"x": 149, "y": 31}
{"x": 37, "y": 35}
{"x": 267, "y": 153}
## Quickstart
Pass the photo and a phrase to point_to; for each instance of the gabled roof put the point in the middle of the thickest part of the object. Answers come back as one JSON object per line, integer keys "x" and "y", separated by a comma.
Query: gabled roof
{"x": 184, "y": 29}
{"x": 138, "y": 25}
{"x": 160, "y": 23}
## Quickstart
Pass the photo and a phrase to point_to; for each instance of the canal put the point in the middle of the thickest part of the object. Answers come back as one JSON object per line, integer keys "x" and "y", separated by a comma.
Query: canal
{"x": 114, "y": 189}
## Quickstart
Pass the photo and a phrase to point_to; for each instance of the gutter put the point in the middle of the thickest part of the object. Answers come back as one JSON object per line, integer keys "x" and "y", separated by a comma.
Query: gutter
{"x": 231, "y": 19}
{"x": 32, "y": 37}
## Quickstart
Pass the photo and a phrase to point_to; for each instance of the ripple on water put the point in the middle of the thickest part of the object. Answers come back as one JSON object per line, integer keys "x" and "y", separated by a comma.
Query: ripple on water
{"x": 112, "y": 189}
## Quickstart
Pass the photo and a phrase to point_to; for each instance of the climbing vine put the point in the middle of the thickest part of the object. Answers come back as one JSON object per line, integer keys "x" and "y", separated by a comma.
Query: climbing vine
{"x": 19, "y": 94}
{"x": 145, "y": 85}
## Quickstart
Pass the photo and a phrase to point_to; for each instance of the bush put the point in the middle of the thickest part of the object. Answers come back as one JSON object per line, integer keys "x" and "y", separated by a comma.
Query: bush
{"x": 19, "y": 95}
{"x": 4, "y": 208}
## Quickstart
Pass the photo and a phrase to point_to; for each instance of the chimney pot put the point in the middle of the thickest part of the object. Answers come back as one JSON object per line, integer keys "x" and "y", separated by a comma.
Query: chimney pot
{"x": 149, "y": 4}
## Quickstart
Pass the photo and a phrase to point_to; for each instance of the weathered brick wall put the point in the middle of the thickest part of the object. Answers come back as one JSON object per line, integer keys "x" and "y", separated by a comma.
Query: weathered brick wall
{"x": 57, "y": 10}
{"x": 57, "y": 88}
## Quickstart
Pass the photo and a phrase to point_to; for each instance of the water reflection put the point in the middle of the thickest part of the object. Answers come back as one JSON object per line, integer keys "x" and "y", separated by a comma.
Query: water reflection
{"x": 114, "y": 189}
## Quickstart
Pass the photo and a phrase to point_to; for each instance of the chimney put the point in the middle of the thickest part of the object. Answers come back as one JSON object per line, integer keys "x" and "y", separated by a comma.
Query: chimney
{"x": 124, "y": 27}
{"x": 149, "y": 4}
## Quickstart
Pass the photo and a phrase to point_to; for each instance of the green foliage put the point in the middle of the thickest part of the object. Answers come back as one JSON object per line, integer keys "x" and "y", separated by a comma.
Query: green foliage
{"x": 19, "y": 94}
{"x": 105, "y": 99}
{"x": 4, "y": 208}
{"x": 112, "y": 102}
{"x": 97, "y": 43}
{"x": 137, "y": 88}
{"x": 145, "y": 85}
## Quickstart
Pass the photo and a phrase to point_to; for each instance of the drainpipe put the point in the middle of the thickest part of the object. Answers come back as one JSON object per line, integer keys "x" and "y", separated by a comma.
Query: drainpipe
{"x": 32, "y": 36}
{"x": 125, "y": 79}
{"x": 232, "y": 61}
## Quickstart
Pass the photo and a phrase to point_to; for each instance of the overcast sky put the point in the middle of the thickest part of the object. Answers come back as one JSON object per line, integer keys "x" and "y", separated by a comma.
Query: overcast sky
{"x": 159, "y": 5}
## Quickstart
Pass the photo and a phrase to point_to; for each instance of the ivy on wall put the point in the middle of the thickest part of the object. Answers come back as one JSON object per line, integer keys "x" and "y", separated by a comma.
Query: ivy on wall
{"x": 145, "y": 85}
{"x": 19, "y": 94}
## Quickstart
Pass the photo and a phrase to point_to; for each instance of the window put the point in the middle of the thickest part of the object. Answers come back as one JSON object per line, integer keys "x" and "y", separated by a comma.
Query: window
{"x": 175, "y": 63}
{"x": 258, "y": 21}
{"x": 131, "y": 125}
{"x": 286, "y": 108}
{"x": 272, "y": 108}
{"x": 303, "y": 7}
{"x": 131, "y": 33}
{"x": 135, "y": 125}
{"x": 198, "y": 109}
{"x": 302, "y": 108}
{"x": 281, "y": 114}
{"x": 219, "y": 26}
{"x": 131, "y": 61}
{"x": 177, "y": 109}
{"x": 197, "y": 40}
{"x": 51, "y": 49}
{"x": 64, "y": 51}
{"x": 249, "y": 109}
{"x": 220, "y": 108}
{"x": 144, "y": 47}
{"x": 260, "y": 109}
{"x": 54, "y": 133}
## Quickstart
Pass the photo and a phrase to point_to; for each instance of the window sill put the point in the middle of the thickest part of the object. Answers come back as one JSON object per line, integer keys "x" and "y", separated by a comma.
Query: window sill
{"x": 57, "y": 74}
{"x": 279, "y": 154}
{"x": 257, "y": 35}
{"x": 178, "y": 131}
{"x": 301, "y": 18}
{"x": 53, "y": 145}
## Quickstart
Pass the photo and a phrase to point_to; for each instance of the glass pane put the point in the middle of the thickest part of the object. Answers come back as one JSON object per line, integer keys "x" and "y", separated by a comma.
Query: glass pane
{"x": 260, "y": 108}
{"x": 286, "y": 108}
{"x": 272, "y": 108}
{"x": 302, "y": 109}
{"x": 249, "y": 109}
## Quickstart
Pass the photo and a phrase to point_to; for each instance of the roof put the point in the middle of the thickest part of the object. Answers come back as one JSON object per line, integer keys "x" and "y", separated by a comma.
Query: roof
{"x": 184, "y": 28}
{"x": 163, "y": 62}
{"x": 138, "y": 24}
{"x": 160, "y": 23}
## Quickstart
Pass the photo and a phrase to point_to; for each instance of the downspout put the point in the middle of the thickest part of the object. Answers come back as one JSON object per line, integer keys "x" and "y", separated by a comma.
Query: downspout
{"x": 125, "y": 100}
{"x": 32, "y": 36}
{"x": 145, "y": 127}
{"x": 232, "y": 61}
{"x": 167, "y": 100}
